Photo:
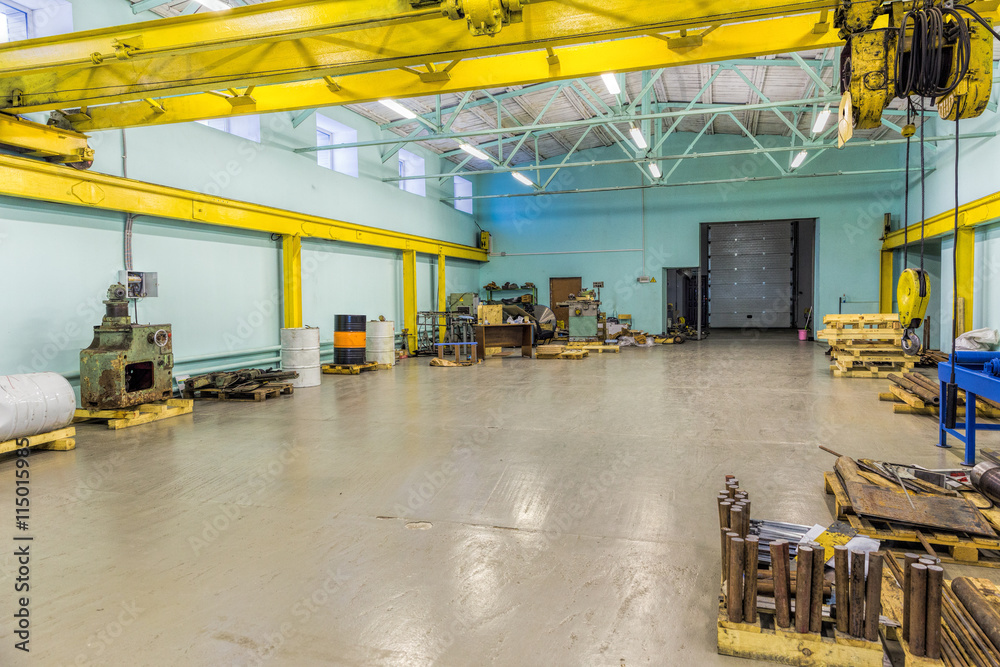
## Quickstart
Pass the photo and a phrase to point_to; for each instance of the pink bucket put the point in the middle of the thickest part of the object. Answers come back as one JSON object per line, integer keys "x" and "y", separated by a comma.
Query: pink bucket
{"x": 803, "y": 334}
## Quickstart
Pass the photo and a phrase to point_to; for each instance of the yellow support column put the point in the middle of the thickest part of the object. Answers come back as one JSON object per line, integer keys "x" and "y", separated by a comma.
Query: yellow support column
{"x": 966, "y": 260}
{"x": 885, "y": 283}
{"x": 291, "y": 283}
{"x": 410, "y": 297}
{"x": 442, "y": 294}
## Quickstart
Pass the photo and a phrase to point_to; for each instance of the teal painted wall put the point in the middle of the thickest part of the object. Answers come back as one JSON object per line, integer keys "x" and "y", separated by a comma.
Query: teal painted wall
{"x": 977, "y": 174}
{"x": 849, "y": 212}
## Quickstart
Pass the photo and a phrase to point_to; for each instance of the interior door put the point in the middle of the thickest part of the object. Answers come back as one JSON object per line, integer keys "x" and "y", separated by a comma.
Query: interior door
{"x": 751, "y": 274}
{"x": 559, "y": 290}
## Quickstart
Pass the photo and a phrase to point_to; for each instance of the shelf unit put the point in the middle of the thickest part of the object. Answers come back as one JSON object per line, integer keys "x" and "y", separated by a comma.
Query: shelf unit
{"x": 524, "y": 290}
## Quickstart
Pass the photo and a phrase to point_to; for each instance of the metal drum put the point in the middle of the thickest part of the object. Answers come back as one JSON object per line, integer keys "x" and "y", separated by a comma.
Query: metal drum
{"x": 34, "y": 403}
{"x": 349, "y": 334}
{"x": 381, "y": 344}
{"x": 300, "y": 353}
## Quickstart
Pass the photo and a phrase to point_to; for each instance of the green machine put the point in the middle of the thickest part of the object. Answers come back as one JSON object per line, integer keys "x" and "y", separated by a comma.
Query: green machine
{"x": 584, "y": 313}
{"x": 127, "y": 364}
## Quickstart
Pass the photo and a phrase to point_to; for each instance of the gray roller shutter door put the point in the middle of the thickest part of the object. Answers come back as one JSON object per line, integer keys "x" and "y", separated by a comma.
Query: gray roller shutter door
{"x": 751, "y": 274}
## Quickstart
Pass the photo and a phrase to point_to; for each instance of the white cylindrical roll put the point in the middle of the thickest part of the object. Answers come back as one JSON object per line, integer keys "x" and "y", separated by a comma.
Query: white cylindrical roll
{"x": 33, "y": 404}
{"x": 300, "y": 353}
{"x": 380, "y": 344}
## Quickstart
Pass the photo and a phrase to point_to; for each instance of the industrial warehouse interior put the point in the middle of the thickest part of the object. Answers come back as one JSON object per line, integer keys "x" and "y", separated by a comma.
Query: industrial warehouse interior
{"x": 411, "y": 333}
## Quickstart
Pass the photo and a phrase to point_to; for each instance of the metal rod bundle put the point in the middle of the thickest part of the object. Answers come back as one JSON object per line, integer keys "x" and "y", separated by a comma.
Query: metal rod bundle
{"x": 782, "y": 584}
{"x": 740, "y": 553}
{"x": 842, "y": 586}
{"x": 803, "y": 589}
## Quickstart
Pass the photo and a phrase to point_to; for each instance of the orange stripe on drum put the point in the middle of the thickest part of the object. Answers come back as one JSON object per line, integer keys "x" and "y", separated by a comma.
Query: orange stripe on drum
{"x": 349, "y": 338}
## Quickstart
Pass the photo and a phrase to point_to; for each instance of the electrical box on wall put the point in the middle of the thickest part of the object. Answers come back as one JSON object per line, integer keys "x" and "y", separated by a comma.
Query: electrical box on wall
{"x": 485, "y": 241}
{"x": 140, "y": 284}
{"x": 646, "y": 279}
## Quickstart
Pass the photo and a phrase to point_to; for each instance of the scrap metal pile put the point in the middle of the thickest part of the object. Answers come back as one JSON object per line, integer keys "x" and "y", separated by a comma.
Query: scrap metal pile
{"x": 246, "y": 384}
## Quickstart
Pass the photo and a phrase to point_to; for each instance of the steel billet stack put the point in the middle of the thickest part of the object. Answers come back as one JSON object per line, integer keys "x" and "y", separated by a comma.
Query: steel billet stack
{"x": 923, "y": 581}
{"x": 740, "y": 553}
{"x": 794, "y": 632}
{"x": 859, "y": 598}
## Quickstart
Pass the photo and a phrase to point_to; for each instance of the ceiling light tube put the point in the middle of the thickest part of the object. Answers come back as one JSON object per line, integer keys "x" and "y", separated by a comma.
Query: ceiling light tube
{"x": 821, "y": 120}
{"x": 611, "y": 83}
{"x": 522, "y": 178}
{"x": 654, "y": 169}
{"x": 398, "y": 108}
{"x": 800, "y": 157}
{"x": 474, "y": 152}
{"x": 637, "y": 137}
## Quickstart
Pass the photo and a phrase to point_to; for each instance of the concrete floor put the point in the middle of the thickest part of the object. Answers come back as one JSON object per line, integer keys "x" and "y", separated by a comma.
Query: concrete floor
{"x": 517, "y": 513}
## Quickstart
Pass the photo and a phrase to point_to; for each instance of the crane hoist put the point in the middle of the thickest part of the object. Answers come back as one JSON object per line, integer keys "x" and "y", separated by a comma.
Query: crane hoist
{"x": 934, "y": 49}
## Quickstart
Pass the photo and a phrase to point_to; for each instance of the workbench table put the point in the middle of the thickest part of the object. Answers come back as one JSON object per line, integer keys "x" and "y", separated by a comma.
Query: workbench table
{"x": 504, "y": 335}
{"x": 969, "y": 376}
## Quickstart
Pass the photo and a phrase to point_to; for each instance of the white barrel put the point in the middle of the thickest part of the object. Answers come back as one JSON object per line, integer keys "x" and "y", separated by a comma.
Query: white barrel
{"x": 380, "y": 343}
{"x": 300, "y": 353}
{"x": 33, "y": 404}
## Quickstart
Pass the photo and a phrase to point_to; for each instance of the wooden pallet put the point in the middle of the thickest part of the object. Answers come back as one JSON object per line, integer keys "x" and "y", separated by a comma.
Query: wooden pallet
{"x": 959, "y": 549}
{"x": 892, "y": 607}
{"x": 866, "y": 373}
{"x": 560, "y": 352}
{"x": 140, "y": 414}
{"x": 263, "y": 393}
{"x": 61, "y": 440}
{"x": 353, "y": 369}
{"x": 595, "y": 347}
{"x": 764, "y": 641}
{"x": 907, "y": 403}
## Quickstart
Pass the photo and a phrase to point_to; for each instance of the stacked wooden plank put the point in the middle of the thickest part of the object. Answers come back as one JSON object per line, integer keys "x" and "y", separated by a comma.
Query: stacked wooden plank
{"x": 917, "y": 394}
{"x": 866, "y": 346}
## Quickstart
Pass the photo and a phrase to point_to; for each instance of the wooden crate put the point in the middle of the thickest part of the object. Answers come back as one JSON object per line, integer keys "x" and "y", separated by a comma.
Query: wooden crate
{"x": 272, "y": 390}
{"x": 764, "y": 641}
{"x": 490, "y": 314}
{"x": 866, "y": 373}
{"x": 960, "y": 549}
{"x": 61, "y": 440}
{"x": 140, "y": 414}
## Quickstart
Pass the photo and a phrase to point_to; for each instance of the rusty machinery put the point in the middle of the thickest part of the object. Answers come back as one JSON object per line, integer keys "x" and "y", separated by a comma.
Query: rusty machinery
{"x": 127, "y": 364}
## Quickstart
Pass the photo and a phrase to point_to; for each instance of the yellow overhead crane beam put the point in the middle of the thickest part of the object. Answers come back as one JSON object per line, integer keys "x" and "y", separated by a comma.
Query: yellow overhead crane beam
{"x": 43, "y": 141}
{"x": 971, "y": 215}
{"x": 300, "y": 40}
{"x": 742, "y": 40}
{"x": 31, "y": 179}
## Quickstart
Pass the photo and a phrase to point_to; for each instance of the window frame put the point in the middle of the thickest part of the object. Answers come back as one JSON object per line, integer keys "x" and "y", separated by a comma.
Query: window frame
{"x": 463, "y": 205}
{"x": 411, "y": 161}
{"x": 344, "y": 160}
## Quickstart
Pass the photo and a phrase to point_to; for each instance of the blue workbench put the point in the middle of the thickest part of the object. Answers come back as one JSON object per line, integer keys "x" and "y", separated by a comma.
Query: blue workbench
{"x": 969, "y": 376}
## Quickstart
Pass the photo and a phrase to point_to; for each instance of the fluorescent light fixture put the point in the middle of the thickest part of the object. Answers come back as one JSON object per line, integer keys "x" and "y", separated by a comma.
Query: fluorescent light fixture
{"x": 395, "y": 106}
{"x": 637, "y": 137}
{"x": 799, "y": 158}
{"x": 822, "y": 119}
{"x": 213, "y": 5}
{"x": 521, "y": 177}
{"x": 654, "y": 169}
{"x": 611, "y": 83}
{"x": 474, "y": 152}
